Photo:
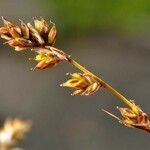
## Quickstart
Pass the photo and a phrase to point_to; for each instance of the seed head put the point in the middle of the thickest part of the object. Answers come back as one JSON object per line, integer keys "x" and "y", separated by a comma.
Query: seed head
{"x": 28, "y": 35}
{"x": 46, "y": 58}
{"x": 133, "y": 117}
{"x": 83, "y": 84}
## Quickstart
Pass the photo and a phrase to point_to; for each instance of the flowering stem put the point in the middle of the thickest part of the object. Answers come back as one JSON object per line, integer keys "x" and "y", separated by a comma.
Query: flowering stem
{"x": 106, "y": 85}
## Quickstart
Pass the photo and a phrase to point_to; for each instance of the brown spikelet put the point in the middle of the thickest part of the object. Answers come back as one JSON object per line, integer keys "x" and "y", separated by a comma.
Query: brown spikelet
{"x": 133, "y": 117}
{"x": 27, "y": 35}
{"x": 48, "y": 58}
{"x": 83, "y": 84}
{"x": 52, "y": 35}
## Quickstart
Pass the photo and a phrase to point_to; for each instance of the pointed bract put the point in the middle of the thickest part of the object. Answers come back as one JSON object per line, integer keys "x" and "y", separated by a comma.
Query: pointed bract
{"x": 19, "y": 43}
{"x": 36, "y": 35}
{"x": 7, "y": 23}
{"x": 52, "y": 35}
{"x": 41, "y": 26}
{"x": 25, "y": 30}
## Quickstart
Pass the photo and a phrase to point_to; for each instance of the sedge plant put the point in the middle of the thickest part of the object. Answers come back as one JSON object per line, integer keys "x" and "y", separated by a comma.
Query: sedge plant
{"x": 40, "y": 37}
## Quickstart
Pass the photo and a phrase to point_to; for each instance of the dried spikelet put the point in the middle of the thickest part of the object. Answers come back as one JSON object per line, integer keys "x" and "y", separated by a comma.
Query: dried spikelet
{"x": 48, "y": 58}
{"x": 133, "y": 117}
{"x": 83, "y": 84}
{"x": 13, "y": 131}
{"x": 27, "y": 35}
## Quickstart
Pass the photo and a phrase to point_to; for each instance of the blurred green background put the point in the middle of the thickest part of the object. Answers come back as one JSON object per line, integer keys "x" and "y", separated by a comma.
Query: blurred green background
{"x": 109, "y": 37}
{"x": 86, "y": 16}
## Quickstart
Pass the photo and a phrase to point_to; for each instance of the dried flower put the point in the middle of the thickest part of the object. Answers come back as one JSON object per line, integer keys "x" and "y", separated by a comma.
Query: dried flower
{"x": 133, "y": 117}
{"x": 83, "y": 83}
{"x": 48, "y": 58}
{"x": 28, "y": 36}
{"x": 13, "y": 131}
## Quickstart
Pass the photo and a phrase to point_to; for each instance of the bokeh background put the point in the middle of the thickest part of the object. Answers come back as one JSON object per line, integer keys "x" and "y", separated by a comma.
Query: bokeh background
{"x": 112, "y": 39}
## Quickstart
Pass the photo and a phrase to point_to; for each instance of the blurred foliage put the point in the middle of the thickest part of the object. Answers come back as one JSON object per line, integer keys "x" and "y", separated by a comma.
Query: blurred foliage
{"x": 97, "y": 15}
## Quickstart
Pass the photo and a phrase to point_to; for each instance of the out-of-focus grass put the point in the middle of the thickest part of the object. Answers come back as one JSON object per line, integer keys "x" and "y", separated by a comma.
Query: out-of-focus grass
{"x": 98, "y": 15}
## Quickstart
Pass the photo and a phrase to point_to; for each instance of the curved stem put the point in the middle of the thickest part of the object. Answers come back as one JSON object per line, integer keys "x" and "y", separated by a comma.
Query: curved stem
{"x": 106, "y": 85}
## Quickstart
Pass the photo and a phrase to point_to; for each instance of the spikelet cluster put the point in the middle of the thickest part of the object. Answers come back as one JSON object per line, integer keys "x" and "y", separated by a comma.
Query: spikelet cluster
{"x": 133, "y": 117}
{"x": 28, "y": 35}
{"x": 48, "y": 58}
{"x": 84, "y": 84}
{"x": 39, "y": 37}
